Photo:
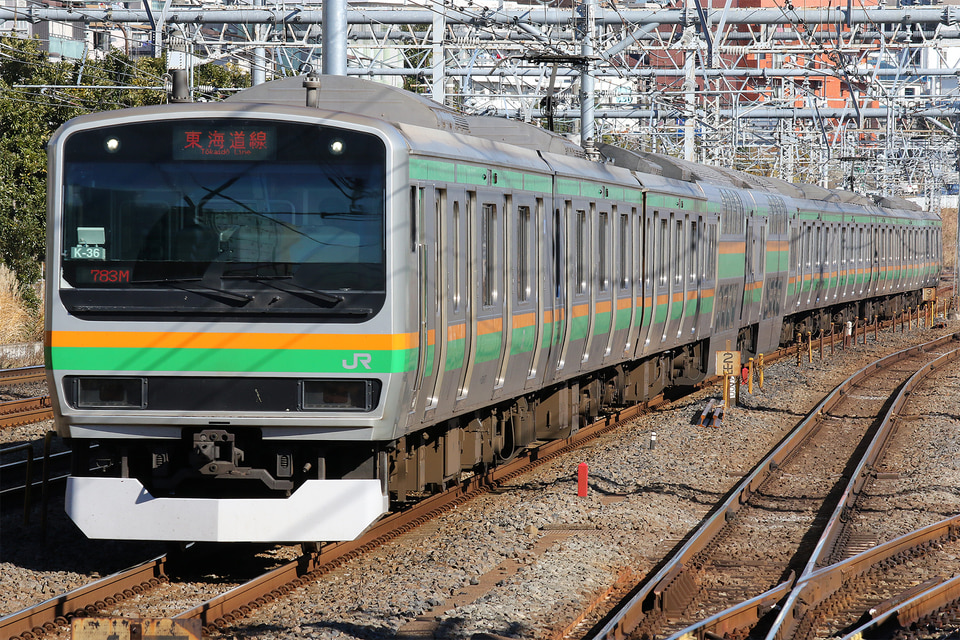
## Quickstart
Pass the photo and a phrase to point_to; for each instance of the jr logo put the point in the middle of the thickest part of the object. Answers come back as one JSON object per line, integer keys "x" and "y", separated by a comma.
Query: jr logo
{"x": 359, "y": 359}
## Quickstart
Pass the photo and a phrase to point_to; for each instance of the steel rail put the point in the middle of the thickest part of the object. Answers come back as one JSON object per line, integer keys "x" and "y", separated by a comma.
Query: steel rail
{"x": 39, "y": 619}
{"x": 240, "y": 601}
{"x": 655, "y": 593}
{"x": 921, "y": 605}
{"x": 24, "y": 469}
{"x": 20, "y": 375}
{"x": 827, "y": 580}
{"x": 820, "y": 584}
{"x": 24, "y": 411}
{"x": 813, "y": 586}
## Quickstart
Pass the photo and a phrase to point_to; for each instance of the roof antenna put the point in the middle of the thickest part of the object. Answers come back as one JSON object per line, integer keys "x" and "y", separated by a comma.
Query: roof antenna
{"x": 179, "y": 86}
{"x": 312, "y": 84}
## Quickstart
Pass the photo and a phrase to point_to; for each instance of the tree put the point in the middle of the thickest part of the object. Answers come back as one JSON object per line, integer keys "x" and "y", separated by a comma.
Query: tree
{"x": 28, "y": 118}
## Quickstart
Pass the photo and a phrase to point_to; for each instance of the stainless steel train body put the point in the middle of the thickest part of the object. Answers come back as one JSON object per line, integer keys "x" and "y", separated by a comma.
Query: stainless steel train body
{"x": 267, "y": 321}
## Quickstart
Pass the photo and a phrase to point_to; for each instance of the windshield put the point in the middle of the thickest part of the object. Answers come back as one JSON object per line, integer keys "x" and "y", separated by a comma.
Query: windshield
{"x": 216, "y": 200}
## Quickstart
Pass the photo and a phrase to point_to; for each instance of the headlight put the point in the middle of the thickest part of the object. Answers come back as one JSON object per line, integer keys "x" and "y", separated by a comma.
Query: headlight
{"x": 108, "y": 393}
{"x": 340, "y": 395}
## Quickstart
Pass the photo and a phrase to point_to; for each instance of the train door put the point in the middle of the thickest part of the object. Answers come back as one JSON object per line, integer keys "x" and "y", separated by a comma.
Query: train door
{"x": 672, "y": 259}
{"x": 580, "y": 321}
{"x": 896, "y": 248}
{"x": 708, "y": 278}
{"x": 749, "y": 271}
{"x": 556, "y": 317}
{"x": 488, "y": 324}
{"x": 690, "y": 273}
{"x": 830, "y": 249}
{"x": 621, "y": 317}
{"x": 541, "y": 292}
{"x": 521, "y": 322}
{"x": 647, "y": 270}
{"x": 453, "y": 271}
{"x": 858, "y": 251}
{"x": 915, "y": 258}
{"x": 843, "y": 278}
{"x": 835, "y": 248}
{"x": 885, "y": 238}
{"x": 635, "y": 278}
{"x": 427, "y": 204}
{"x": 874, "y": 259}
{"x": 507, "y": 229}
{"x": 818, "y": 257}
{"x": 809, "y": 265}
{"x": 795, "y": 265}
{"x": 473, "y": 253}
{"x": 853, "y": 263}
{"x": 661, "y": 280}
{"x": 601, "y": 300}
{"x": 589, "y": 268}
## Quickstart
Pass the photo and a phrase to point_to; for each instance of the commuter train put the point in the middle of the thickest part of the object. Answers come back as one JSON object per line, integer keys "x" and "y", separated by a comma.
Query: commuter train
{"x": 272, "y": 317}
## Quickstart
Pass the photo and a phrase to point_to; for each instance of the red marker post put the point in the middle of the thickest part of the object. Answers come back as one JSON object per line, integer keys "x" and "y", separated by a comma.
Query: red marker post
{"x": 582, "y": 480}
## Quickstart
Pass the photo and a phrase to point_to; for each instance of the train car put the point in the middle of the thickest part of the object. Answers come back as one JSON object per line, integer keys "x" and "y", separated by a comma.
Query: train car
{"x": 270, "y": 318}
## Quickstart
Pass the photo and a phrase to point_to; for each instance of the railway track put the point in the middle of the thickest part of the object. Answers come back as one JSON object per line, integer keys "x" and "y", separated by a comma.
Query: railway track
{"x": 14, "y": 413}
{"x": 239, "y": 602}
{"x": 22, "y": 375}
{"x": 22, "y": 411}
{"x": 229, "y": 607}
{"x": 849, "y": 578}
{"x": 768, "y": 530}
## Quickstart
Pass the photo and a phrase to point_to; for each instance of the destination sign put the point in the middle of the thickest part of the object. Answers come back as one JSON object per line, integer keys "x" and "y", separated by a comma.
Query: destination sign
{"x": 224, "y": 142}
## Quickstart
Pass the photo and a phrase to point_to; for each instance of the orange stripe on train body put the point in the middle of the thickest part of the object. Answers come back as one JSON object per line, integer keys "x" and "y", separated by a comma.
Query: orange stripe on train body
{"x": 524, "y": 320}
{"x": 456, "y": 332}
{"x": 580, "y": 310}
{"x": 553, "y": 315}
{"x": 493, "y": 325}
{"x": 219, "y": 340}
{"x": 732, "y": 247}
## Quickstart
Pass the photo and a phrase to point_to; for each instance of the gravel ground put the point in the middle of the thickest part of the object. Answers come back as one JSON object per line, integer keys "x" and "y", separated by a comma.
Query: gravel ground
{"x": 25, "y": 390}
{"x": 918, "y": 479}
{"x": 523, "y": 562}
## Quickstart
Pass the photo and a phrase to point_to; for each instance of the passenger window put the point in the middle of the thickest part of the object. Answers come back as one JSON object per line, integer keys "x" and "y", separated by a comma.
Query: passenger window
{"x": 662, "y": 254}
{"x": 603, "y": 275}
{"x": 623, "y": 251}
{"x": 523, "y": 253}
{"x": 678, "y": 254}
{"x": 582, "y": 242}
{"x": 455, "y": 244}
{"x": 488, "y": 263}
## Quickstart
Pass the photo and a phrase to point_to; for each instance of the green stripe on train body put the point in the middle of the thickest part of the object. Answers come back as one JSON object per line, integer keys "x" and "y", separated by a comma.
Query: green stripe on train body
{"x": 136, "y": 359}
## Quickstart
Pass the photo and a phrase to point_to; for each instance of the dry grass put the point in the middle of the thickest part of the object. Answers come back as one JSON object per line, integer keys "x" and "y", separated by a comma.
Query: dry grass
{"x": 949, "y": 236}
{"x": 18, "y": 324}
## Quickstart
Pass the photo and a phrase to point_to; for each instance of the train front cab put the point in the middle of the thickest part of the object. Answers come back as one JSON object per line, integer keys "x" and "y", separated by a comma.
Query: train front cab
{"x": 235, "y": 395}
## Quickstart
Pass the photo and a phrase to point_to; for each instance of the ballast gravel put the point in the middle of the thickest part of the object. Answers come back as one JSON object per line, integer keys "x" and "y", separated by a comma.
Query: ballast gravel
{"x": 526, "y": 561}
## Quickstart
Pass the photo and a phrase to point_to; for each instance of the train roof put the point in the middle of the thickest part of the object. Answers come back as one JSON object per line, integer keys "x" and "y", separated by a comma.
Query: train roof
{"x": 398, "y": 106}
{"x": 678, "y": 169}
{"x": 357, "y": 96}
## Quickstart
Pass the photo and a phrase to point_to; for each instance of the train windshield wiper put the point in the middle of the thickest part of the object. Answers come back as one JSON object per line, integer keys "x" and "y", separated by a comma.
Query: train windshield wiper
{"x": 314, "y": 295}
{"x": 187, "y": 284}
